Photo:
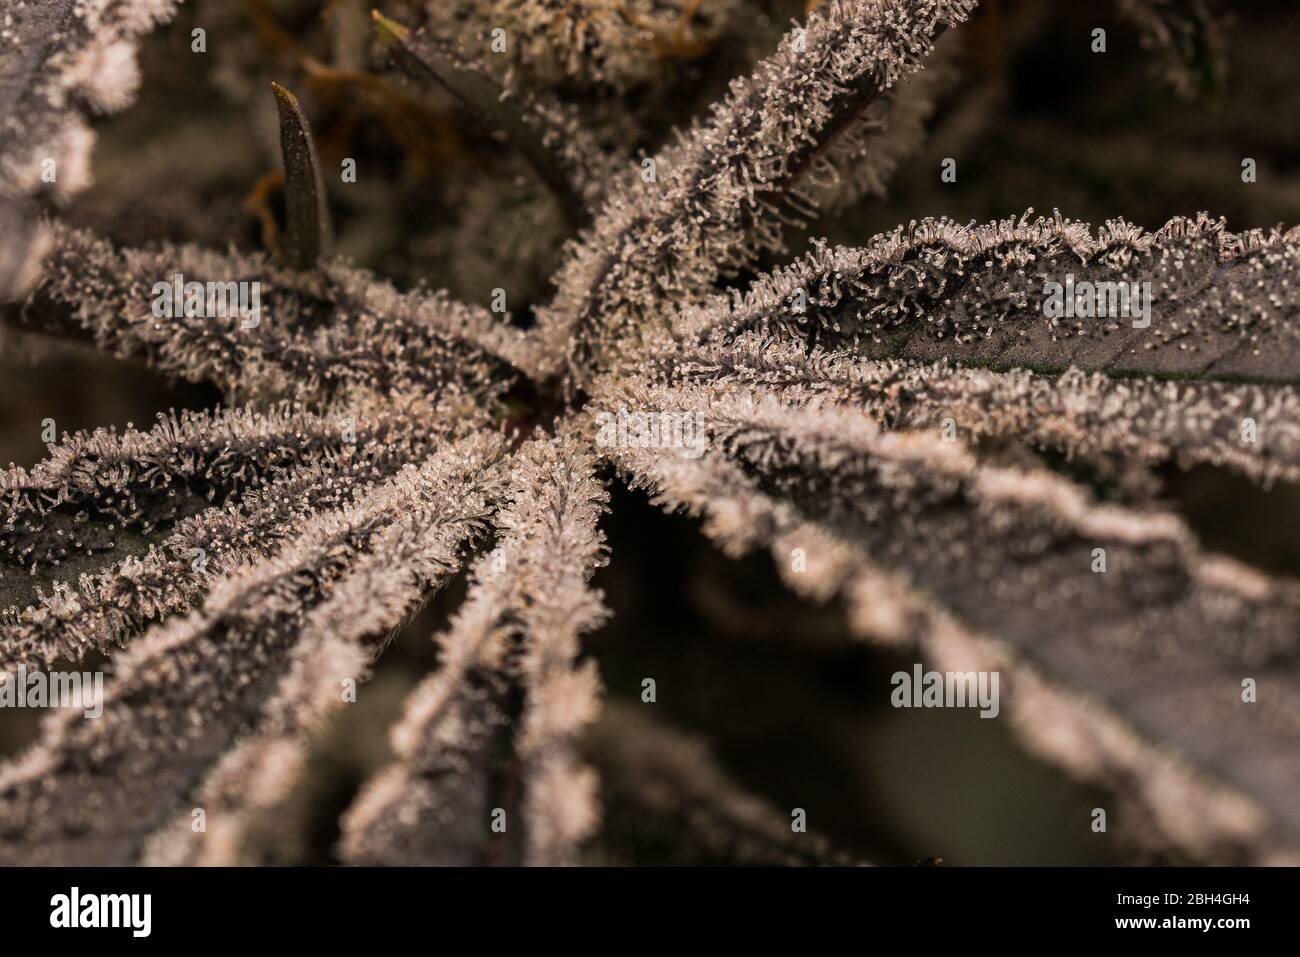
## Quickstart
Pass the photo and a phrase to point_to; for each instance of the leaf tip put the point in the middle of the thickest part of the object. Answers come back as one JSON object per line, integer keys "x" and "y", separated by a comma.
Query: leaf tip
{"x": 389, "y": 30}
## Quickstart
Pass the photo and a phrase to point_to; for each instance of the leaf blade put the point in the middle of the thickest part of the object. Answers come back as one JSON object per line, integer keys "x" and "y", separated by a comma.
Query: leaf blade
{"x": 307, "y": 236}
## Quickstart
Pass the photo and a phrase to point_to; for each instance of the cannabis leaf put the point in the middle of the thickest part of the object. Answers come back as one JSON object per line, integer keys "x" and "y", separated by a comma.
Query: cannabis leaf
{"x": 909, "y": 427}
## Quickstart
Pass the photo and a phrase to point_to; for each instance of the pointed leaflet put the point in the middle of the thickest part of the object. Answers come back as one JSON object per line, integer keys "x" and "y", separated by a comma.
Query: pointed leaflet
{"x": 1222, "y": 305}
{"x": 246, "y": 482}
{"x": 707, "y": 206}
{"x": 246, "y": 790}
{"x": 149, "y": 479}
{"x": 311, "y": 336}
{"x": 91, "y": 791}
{"x": 1001, "y": 564}
{"x": 307, "y": 236}
{"x": 487, "y": 739}
{"x": 548, "y": 134}
{"x": 1253, "y": 428}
